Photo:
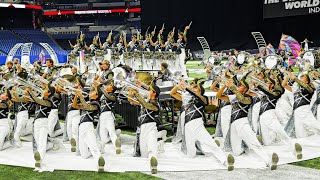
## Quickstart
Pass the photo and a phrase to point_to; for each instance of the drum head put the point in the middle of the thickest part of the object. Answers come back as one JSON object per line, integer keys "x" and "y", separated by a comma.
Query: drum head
{"x": 309, "y": 56}
{"x": 271, "y": 62}
{"x": 211, "y": 60}
{"x": 241, "y": 58}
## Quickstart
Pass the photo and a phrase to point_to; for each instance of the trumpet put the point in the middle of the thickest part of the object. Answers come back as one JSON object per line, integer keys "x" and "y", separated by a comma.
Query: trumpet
{"x": 256, "y": 80}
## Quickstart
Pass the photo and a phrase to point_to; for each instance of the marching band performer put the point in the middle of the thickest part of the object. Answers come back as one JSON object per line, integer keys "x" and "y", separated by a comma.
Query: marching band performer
{"x": 147, "y": 65}
{"x": 240, "y": 130}
{"x": 106, "y": 47}
{"x": 73, "y": 118}
{"x": 50, "y": 70}
{"x": 88, "y": 145}
{"x": 106, "y": 128}
{"x": 107, "y": 74}
{"x": 9, "y": 71}
{"x": 224, "y": 115}
{"x": 133, "y": 46}
{"x": 302, "y": 123}
{"x": 181, "y": 45}
{"x": 147, "y": 133}
{"x": 121, "y": 49}
{"x": 40, "y": 128}
{"x": 194, "y": 129}
{"x": 168, "y": 47}
{"x": 95, "y": 45}
{"x": 23, "y": 124}
{"x": 157, "y": 47}
{"x": 6, "y": 125}
{"x": 54, "y": 128}
{"x": 269, "y": 123}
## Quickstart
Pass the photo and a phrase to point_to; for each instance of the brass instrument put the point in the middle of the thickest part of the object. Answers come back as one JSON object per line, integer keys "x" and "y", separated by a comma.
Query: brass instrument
{"x": 67, "y": 86}
{"x": 36, "y": 89}
{"x": 127, "y": 86}
{"x": 250, "y": 77}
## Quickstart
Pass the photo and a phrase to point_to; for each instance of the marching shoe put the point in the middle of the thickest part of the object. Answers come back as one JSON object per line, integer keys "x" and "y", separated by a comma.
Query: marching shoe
{"x": 298, "y": 149}
{"x": 274, "y": 161}
{"x": 73, "y": 145}
{"x": 154, "y": 165}
{"x": 230, "y": 162}
{"x": 37, "y": 158}
{"x": 118, "y": 146}
{"x": 217, "y": 142}
{"x": 101, "y": 163}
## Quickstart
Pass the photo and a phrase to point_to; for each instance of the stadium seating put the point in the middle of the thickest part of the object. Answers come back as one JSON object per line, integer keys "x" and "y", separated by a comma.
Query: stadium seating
{"x": 37, "y": 36}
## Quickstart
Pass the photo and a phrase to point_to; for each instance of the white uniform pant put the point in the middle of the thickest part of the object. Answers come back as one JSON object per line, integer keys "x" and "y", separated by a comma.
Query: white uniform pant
{"x": 149, "y": 140}
{"x": 255, "y": 116}
{"x": 87, "y": 141}
{"x": 195, "y": 131}
{"x": 4, "y": 132}
{"x": 180, "y": 63}
{"x": 284, "y": 109}
{"x": 121, "y": 61}
{"x": 107, "y": 129}
{"x": 241, "y": 131}
{"x": 73, "y": 120}
{"x": 318, "y": 113}
{"x": 271, "y": 128}
{"x": 305, "y": 123}
{"x": 24, "y": 125}
{"x": 172, "y": 66}
{"x": 41, "y": 136}
{"x": 52, "y": 121}
{"x": 147, "y": 64}
{"x": 225, "y": 119}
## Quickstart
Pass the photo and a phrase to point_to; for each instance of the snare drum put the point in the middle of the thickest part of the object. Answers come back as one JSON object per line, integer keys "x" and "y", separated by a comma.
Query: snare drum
{"x": 272, "y": 61}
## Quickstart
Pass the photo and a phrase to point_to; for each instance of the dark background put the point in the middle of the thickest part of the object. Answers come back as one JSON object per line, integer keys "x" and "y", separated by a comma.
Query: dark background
{"x": 227, "y": 24}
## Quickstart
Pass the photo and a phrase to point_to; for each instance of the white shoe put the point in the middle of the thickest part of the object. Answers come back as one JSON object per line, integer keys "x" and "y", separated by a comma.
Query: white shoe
{"x": 274, "y": 161}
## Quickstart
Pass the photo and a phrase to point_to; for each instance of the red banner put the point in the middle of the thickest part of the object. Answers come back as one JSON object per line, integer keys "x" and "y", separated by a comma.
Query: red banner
{"x": 57, "y": 13}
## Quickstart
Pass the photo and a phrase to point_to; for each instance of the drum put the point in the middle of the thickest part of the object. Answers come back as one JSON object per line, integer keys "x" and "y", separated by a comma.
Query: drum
{"x": 272, "y": 61}
{"x": 171, "y": 56}
{"x": 115, "y": 56}
{"x": 66, "y": 73}
{"x": 147, "y": 55}
{"x": 137, "y": 55}
{"x": 242, "y": 57}
{"x": 99, "y": 53}
{"x": 157, "y": 55}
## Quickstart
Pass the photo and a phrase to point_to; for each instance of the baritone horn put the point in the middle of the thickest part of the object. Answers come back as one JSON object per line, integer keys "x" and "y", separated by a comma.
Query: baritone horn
{"x": 127, "y": 86}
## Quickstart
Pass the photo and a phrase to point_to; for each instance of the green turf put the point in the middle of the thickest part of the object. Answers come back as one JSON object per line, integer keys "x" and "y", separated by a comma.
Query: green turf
{"x": 313, "y": 163}
{"x": 10, "y": 173}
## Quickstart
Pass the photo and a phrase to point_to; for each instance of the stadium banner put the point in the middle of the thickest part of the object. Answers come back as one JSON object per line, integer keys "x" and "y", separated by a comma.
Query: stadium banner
{"x": 281, "y": 8}
{"x": 58, "y": 13}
